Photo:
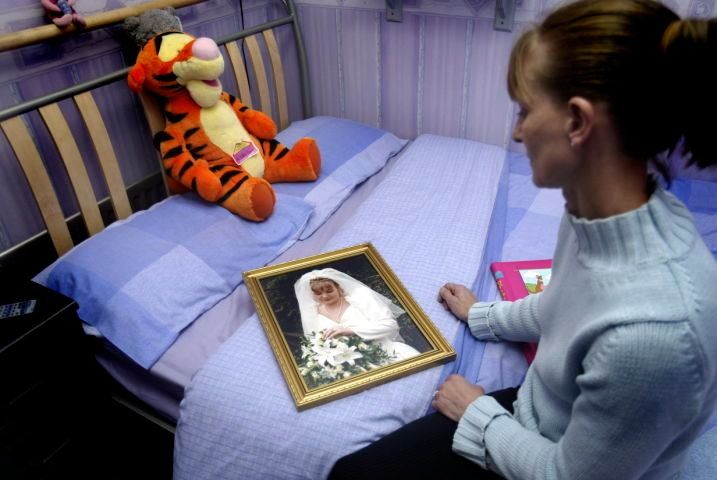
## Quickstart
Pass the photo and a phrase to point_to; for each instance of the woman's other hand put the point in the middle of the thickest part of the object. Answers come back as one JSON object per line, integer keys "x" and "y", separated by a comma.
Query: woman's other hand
{"x": 453, "y": 397}
{"x": 457, "y": 299}
{"x": 337, "y": 331}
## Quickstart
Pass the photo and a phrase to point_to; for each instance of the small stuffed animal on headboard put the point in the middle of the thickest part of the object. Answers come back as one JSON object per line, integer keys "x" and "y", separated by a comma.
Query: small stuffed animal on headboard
{"x": 212, "y": 143}
{"x": 62, "y": 13}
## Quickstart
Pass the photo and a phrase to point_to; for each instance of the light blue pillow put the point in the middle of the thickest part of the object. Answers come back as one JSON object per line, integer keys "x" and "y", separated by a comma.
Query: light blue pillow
{"x": 351, "y": 152}
{"x": 144, "y": 279}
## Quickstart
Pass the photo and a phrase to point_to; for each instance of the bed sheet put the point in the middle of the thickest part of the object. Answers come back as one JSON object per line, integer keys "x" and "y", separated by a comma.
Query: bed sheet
{"x": 238, "y": 419}
{"x": 162, "y": 386}
{"x": 524, "y": 225}
{"x": 531, "y": 222}
{"x": 352, "y": 152}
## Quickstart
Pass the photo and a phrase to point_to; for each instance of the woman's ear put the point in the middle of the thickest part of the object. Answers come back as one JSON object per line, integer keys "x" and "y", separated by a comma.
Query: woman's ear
{"x": 581, "y": 120}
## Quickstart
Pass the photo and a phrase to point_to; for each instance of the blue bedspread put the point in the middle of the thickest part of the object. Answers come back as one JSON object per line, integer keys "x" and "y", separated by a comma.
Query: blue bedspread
{"x": 238, "y": 419}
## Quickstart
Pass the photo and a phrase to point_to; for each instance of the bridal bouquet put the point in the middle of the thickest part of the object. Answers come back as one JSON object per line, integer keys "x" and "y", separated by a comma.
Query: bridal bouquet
{"x": 325, "y": 361}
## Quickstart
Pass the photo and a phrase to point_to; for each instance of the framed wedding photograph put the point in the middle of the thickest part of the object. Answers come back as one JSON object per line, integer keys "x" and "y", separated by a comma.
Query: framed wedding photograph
{"x": 341, "y": 322}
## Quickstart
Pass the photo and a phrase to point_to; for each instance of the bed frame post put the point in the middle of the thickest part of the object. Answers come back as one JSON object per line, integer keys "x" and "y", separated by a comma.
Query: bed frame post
{"x": 301, "y": 51}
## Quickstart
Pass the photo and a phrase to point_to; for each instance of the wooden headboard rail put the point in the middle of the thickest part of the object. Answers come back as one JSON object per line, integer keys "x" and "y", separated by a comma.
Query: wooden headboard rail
{"x": 14, "y": 125}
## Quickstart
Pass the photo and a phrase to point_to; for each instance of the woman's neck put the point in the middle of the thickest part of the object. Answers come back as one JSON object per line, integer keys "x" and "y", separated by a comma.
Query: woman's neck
{"x": 608, "y": 183}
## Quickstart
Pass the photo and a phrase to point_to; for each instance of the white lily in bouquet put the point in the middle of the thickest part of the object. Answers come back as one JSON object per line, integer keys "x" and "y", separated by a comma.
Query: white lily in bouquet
{"x": 324, "y": 361}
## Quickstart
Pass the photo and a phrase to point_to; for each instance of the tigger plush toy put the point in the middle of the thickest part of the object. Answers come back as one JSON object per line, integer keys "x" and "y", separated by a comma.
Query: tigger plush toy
{"x": 212, "y": 143}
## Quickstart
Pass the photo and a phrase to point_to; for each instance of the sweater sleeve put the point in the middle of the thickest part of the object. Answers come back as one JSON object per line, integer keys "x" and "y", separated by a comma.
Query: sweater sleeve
{"x": 496, "y": 321}
{"x": 639, "y": 389}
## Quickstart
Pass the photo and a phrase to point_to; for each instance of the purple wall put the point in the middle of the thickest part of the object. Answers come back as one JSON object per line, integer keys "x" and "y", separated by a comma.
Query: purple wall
{"x": 442, "y": 70}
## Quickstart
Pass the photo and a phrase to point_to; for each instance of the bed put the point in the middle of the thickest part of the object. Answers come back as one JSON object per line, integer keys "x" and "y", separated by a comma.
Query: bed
{"x": 195, "y": 354}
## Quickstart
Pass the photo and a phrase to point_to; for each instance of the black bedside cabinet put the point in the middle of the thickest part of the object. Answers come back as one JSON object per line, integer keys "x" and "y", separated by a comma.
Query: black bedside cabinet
{"x": 49, "y": 396}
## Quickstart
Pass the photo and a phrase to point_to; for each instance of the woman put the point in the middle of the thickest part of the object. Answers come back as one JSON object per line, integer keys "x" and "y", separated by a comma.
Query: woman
{"x": 626, "y": 371}
{"x": 337, "y": 304}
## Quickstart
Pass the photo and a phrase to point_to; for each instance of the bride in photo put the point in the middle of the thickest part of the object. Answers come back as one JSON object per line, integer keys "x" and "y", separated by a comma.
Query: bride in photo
{"x": 337, "y": 304}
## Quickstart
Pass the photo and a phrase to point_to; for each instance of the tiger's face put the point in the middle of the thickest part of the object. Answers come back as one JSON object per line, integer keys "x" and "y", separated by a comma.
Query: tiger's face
{"x": 172, "y": 61}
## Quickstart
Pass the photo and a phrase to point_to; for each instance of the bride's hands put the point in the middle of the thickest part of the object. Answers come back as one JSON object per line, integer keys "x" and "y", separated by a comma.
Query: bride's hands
{"x": 457, "y": 299}
{"x": 337, "y": 331}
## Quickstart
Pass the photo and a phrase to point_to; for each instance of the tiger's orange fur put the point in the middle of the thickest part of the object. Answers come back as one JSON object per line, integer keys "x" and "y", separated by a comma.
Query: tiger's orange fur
{"x": 190, "y": 158}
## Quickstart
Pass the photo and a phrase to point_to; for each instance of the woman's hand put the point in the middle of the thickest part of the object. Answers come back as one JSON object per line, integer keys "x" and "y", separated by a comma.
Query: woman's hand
{"x": 453, "y": 397}
{"x": 337, "y": 331}
{"x": 457, "y": 299}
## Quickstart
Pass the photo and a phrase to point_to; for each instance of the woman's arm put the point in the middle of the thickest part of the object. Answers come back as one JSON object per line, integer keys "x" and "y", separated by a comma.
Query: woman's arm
{"x": 517, "y": 321}
{"x": 642, "y": 388}
{"x": 493, "y": 321}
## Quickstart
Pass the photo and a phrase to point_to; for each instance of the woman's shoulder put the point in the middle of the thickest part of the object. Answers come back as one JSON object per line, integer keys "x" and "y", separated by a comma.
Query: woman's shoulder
{"x": 657, "y": 368}
{"x": 664, "y": 353}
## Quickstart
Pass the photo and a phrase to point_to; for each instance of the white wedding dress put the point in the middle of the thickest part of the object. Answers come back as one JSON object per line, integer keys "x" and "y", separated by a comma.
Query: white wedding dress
{"x": 380, "y": 328}
{"x": 369, "y": 315}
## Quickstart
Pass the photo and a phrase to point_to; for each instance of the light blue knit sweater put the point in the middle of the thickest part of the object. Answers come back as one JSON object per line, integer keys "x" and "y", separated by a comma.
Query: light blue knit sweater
{"x": 626, "y": 371}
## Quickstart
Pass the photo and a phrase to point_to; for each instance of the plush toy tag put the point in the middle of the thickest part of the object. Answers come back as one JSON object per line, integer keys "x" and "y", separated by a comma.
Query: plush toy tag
{"x": 244, "y": 150}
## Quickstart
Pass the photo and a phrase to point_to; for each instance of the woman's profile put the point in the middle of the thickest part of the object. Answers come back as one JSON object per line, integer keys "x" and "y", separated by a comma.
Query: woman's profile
{"x": 335, "y": 304}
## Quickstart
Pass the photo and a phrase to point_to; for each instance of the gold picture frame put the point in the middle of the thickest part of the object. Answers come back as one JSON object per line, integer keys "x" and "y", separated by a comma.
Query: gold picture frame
{"x": 319, "y": 370}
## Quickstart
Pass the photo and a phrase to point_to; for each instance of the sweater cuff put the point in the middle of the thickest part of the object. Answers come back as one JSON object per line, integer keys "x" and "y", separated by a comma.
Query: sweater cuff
{"x": 478, "y": 316}
{"x": 469, "y": 439}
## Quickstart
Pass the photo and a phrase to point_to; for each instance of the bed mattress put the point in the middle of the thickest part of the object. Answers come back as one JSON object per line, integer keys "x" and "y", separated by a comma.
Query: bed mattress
{"x": 519, "y": 215}
{"x": 437, "y": 185}
{"x": 162, "y": 386}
